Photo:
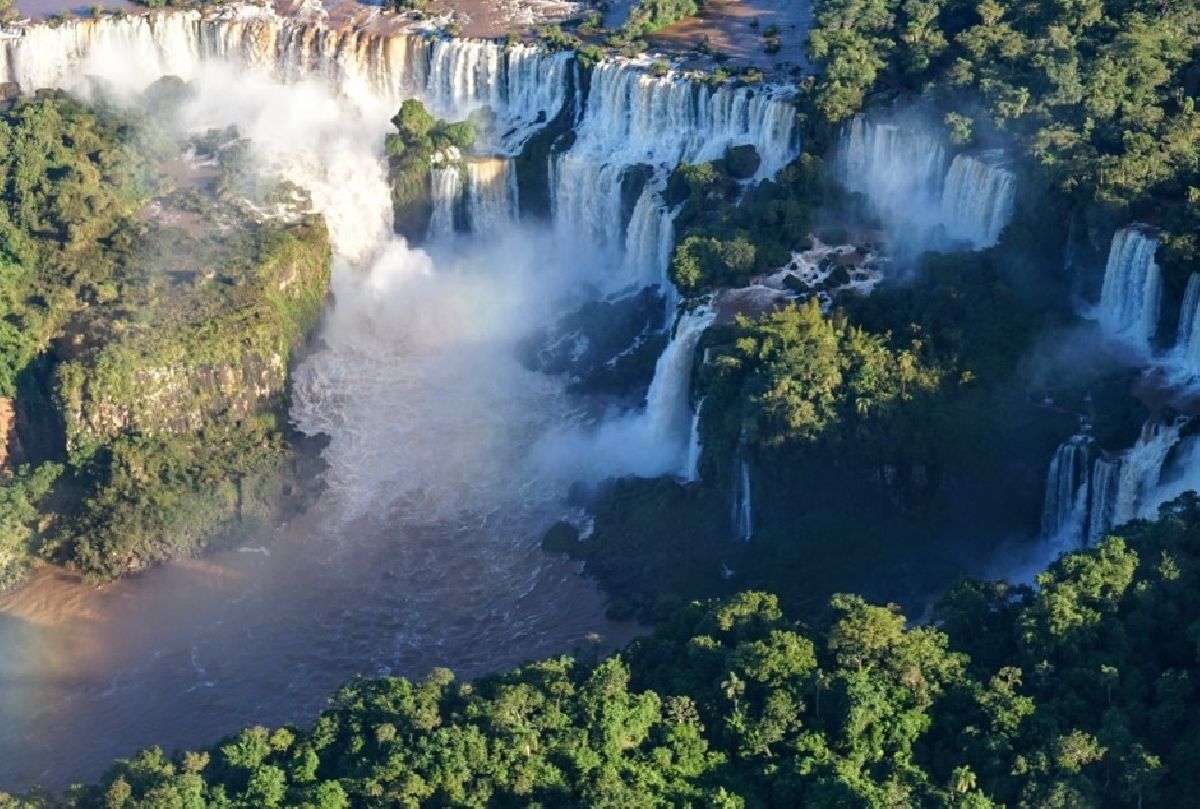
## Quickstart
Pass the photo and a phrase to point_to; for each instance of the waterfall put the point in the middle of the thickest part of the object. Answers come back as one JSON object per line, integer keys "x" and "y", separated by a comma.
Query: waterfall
{"x": 1106, "y": 476}
{"x": 648, "y": 243}
{"x": 632, "y": 118}
{"x": 1132, "y": 289}
{"x": 902, "y": 171}
{"x": 977, "y": 198}
{"x": 1065, "y": 509}
{"x": 659, "y": 439}
{"x": 695, "y": 449}
{"x": 899, "y": 169}
{"x": 668, "y": 407}
{"x": 1187, "y": 337}
{"x": 521, "y": 86}
{"x": 446, "y": 184}
{"x": 743, "y": 523}
{"x": 492, "y": 204}
{"x": 284, "y": 74}
{"x": 1087, "y": 494}
{"x": 1141, "y": 469}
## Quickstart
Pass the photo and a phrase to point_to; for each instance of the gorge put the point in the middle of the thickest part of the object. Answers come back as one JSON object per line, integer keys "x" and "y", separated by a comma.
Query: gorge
{"x": 426, "y": 409}
{"x": 411, "y": 350}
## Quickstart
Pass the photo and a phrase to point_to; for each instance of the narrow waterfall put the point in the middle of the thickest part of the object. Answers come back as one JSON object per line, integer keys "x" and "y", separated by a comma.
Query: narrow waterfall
{"x": 978, "y": 198}
{"x": 1187, "y": 339}
{"x": 1106, "y": 478}
{"x": 1132, "y": 289}
{"x": 648, "y": 243}
{"x": 743, "y": 516}
{"x": 632, "y": 118}
{"x": 659, "y": 439}
{"x": 1068, "y": 483}
{"x": 446, "y": 184}
{"x": 668, "y": 409}
{"x": 695, "y": 448}
{"x": 492, "y": 203}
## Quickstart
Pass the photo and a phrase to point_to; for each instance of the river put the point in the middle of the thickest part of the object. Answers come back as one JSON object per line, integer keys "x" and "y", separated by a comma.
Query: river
{"x": 194, "y": 650}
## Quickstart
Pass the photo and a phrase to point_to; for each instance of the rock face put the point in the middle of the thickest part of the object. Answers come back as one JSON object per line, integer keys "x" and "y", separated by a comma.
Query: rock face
{"x": 231, "y": 364}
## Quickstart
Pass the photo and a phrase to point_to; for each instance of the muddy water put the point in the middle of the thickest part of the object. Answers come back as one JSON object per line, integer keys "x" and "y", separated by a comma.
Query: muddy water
{"x": 197, "y": 649}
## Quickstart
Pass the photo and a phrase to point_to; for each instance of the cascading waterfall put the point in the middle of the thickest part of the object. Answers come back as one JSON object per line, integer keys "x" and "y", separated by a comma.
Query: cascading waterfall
{"x": 1141, "y": 469}
{"x": 978, "y": 198}
{"x": 632, "y": 118}
{"x": 492, "y": 197}
{"x": 1132, "y": 289}
{"x": 1088, "y": 494}
{"x": 659, "y": 439}
{"x": 648, "y": 243}
{"x": 668, "y": 408}
{"x": 902, "y": 170}
{"x": 628, "y": 119}
{"x": 743, "y": 516}
{"x": 446, "y": 187}
{"x": 1068, "y": 483}
{"x": 430, "y": 487}
{"x": 522, "y": 86}
{"x": 1187, "y": 339}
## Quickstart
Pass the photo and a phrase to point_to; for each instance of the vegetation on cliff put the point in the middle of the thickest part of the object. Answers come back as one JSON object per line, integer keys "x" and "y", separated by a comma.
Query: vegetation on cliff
{"x": 1076, "y": 694}
{"x": 150, "y": 312}
{"x": 1098, "y": 96}
{"x": 1096, "y": 104}
{"x": 419, "y": 141}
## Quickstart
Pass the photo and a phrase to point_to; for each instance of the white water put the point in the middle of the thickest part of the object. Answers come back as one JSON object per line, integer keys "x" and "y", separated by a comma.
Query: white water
{"x": 1087, "y": 494}
{"x": 743, "y": 515}
{"x": 1186, "y": 354}
{"x": 1068, "y": 482}
{"x": 648, "y": 244}
{"x": 1106, "y": 478}
{"x": 899, "y": 168}
{"x": 902, "y": 170}
{"x": 695, "y": 447}
{"x": 447, "y": 188}
{"x": 430, "y": 417}
{"x": 977, "y": 198}
{"x": 521, "y": 86}
{"x": 632, "y": 118}
{"x": 1132, "y": 291}
{"x": 492, "y": 197}
{"x": 653, "y": 441}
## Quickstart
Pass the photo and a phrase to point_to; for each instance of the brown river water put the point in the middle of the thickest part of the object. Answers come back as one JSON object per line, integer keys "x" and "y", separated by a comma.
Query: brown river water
{"x": 194, "y": 650}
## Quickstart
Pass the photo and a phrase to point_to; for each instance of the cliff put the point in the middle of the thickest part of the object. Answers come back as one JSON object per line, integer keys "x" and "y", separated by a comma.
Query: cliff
{"x": 228, "y": 359}
{"x": 176, "y": 427}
